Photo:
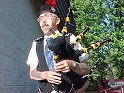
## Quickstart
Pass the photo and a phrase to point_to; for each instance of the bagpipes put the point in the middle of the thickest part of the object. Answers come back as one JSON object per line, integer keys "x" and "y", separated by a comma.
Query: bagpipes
{"x": 63, "y": 49}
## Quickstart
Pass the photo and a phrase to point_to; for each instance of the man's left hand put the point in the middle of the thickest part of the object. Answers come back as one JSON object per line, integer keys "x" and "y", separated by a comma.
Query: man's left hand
{"x": 64, "y": 66}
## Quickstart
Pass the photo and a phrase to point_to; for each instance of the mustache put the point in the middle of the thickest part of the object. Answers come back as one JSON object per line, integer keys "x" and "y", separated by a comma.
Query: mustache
{"x": 44, "y": 25}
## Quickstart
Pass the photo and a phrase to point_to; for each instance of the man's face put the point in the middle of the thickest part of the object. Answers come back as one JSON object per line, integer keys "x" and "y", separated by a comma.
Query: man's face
{"x": 47, "y": 21}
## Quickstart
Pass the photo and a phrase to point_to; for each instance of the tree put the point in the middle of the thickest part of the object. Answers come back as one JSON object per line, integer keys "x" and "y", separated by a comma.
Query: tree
{"x": 105, "y": 19}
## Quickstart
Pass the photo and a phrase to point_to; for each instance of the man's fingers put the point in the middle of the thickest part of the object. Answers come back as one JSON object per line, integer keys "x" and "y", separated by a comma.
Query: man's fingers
{"x": 54, "y": 79}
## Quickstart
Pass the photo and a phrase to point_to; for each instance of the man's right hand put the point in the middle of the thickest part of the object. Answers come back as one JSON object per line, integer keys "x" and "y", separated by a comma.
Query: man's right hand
{"x": 52, "y": 77}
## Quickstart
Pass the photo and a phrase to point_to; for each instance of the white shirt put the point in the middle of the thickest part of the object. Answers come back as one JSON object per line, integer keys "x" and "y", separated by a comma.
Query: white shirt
{"x": 33, "y": 59}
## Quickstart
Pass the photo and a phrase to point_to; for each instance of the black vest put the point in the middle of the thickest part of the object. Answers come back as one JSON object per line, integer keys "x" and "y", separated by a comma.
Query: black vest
{"x": 46, "y": 87}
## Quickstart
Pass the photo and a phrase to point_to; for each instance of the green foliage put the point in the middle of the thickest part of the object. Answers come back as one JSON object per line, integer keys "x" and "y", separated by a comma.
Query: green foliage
{"x": 105, "y": 19}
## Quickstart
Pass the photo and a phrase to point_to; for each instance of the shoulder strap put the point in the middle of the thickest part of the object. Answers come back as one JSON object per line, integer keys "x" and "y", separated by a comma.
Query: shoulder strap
{"x": 42, "y": 66}
{"x": 44, "y": 86}
{"x": 39, "y": 39}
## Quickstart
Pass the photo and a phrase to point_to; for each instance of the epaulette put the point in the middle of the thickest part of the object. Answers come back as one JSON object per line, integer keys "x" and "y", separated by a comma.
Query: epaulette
{"x": 39, "y": 39}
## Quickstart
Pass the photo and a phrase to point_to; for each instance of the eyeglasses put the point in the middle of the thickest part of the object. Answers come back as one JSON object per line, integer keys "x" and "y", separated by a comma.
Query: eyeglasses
{"x": 45, "y": 16}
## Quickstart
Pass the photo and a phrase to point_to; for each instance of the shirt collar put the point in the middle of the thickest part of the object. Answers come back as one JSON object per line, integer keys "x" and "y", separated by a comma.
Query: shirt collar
{"x": 57, "y": 32}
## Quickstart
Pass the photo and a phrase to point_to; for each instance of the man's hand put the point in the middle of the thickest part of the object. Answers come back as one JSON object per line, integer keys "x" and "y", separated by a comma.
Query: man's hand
{"x": 64, "y": 66}
{"x": 52, "y": 77}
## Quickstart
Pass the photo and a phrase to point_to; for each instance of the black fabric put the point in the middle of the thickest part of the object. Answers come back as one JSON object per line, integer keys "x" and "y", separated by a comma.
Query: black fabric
{"x": 77, "y": 80}
{"x": 45, "y": 8}
{"x": 42, "y": 66}
{"x": 65, "y": 50}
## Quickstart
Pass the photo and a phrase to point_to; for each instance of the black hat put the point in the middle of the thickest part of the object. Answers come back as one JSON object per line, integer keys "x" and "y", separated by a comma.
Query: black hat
{"x": 46, "y": 8}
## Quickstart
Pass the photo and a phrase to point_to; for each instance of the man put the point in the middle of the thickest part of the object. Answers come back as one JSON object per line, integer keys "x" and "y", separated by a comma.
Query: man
{"x": 50, "y": 74}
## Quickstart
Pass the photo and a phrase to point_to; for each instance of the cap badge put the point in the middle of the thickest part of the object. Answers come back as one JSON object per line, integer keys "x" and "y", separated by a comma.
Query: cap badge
{"x": 53, "y": 9}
